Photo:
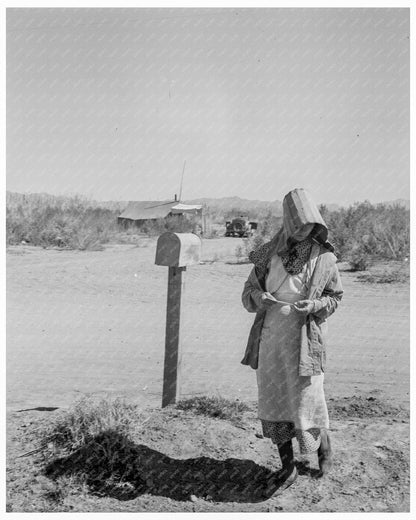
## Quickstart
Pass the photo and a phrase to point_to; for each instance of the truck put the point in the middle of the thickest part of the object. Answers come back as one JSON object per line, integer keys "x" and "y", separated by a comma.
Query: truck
{"x": 240, "y": 227}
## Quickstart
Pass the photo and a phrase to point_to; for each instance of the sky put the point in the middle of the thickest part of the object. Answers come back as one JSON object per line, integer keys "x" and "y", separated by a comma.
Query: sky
{"x": 110, "y": 103}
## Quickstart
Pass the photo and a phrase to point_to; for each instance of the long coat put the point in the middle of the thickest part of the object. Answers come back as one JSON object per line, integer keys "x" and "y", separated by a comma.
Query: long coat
{"x": 324, "y": 288}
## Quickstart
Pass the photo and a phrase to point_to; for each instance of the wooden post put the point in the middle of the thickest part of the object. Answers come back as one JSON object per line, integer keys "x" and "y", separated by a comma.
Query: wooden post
{"x": 175, "y": 250}
{"x": 172, "y": 368}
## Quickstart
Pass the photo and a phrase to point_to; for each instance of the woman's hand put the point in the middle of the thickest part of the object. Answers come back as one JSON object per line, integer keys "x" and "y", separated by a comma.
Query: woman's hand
{"x": 268, "y": 300}
{"x": 304, "y": 307}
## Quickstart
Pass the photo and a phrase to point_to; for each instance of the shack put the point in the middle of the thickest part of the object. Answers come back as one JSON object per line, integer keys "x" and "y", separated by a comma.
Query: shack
{"x": 138, "y": 213}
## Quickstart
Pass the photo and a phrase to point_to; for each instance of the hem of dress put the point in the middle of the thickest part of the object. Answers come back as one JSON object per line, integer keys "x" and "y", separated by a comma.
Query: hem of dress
{"x": 325, "y": 426}
{"x": 281, "y": 432}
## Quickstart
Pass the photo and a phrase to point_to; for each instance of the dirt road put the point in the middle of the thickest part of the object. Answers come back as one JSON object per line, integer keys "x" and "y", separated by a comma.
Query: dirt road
{"x": 94, "y": 322}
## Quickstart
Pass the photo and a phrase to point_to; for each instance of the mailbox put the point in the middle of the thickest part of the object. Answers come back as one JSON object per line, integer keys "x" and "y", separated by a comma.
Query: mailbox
{"x": 178, "y": 249}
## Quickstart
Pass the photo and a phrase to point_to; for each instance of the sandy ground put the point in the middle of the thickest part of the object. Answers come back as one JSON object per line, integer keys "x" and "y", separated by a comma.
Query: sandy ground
{"x": 94, "y": 322}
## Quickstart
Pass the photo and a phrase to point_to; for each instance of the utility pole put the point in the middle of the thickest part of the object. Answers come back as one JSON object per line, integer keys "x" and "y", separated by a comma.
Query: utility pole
{"x": 180, "y": 190}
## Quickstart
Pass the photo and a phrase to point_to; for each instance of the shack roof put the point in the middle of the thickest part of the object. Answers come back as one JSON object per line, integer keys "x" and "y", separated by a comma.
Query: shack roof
{"x": 186, "y": 208}
{"x": 148, "y": 210}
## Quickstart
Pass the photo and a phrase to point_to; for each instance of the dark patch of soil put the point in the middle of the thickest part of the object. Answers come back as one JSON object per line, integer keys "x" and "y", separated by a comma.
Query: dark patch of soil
{"x": 363, "y": 407}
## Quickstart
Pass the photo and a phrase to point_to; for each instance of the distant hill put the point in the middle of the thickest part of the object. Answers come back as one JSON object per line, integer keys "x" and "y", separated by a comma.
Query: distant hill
{"x": 226, "y": 206}
{"x": 236, "y": 205}
{"x": 399, "y": 202}
{"x": 258, "y": 207}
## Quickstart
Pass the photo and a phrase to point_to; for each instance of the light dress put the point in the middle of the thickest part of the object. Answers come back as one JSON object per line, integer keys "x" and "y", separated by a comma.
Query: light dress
{"x": 289, "y": 405}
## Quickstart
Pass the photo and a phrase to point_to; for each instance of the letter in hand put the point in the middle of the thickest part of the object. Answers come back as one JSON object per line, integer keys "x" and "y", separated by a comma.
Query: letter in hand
{"x": 268, "y": 300}
{"x": 304, "y": 307}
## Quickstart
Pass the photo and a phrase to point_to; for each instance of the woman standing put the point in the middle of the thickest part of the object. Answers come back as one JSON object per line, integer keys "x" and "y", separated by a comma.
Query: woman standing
{"x": 293, "y": 288}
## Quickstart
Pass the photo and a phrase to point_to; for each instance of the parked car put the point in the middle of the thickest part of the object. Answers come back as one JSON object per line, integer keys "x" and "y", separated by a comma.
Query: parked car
{"x": 240, "y": 227}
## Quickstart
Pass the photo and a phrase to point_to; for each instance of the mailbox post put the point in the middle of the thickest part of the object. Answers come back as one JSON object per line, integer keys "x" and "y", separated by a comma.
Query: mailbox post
{"x": 175, "y": 250}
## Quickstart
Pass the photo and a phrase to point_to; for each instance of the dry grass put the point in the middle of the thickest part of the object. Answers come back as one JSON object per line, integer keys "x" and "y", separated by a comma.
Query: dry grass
{"x": 398, "y": 272}
{"x": 88, "y": 418}
{"x": 214, "y": 407}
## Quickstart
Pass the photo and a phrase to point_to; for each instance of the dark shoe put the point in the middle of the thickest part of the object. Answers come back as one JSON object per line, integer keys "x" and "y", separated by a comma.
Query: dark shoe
{"x": 279, "y": 481}
{"x": 324, "y": 454}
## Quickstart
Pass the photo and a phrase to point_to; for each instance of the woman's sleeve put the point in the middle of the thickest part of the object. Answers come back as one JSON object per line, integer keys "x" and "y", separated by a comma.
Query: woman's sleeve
{"x": 331, "y": 296}
{"x": 252, "y": 293}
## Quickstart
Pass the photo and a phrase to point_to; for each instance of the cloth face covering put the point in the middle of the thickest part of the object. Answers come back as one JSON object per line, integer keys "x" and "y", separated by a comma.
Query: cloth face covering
{"x": 294, "y": 260}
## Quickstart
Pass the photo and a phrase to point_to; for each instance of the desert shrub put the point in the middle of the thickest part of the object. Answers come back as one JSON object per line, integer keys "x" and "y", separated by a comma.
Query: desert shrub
{"x": 365, "y": 232}
{"x": 358, "y": 258}
{"x": 71, "y": 222}
{"x": 91, "y": 446}
{"x": 87, "y": 418}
